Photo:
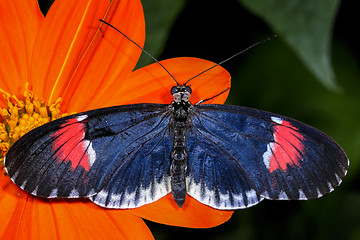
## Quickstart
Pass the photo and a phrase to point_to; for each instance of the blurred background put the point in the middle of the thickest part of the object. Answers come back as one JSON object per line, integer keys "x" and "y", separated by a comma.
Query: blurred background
{"x": 310, "y": 73}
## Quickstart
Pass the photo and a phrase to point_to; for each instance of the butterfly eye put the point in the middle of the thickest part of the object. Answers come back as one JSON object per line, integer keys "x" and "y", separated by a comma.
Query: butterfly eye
{"x": 177, "y": 97}
{"x": 186, "y": 96}
{"x": 188, "y": 89}
{"x": 173, "y": 90}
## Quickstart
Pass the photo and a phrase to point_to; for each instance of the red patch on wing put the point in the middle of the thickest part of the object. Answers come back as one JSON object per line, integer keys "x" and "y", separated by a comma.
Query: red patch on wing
{"x": 286, "y": 147}
{"x": 70, "y": 144}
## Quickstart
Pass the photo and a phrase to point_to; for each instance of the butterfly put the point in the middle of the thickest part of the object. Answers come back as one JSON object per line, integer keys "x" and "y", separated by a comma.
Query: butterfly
{"x": 226, "y": 157}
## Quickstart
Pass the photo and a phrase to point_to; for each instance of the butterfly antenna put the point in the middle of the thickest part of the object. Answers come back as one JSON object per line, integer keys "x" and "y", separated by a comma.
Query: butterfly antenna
{"x": 207, "y": 99}
{"x": 233, "y": 56}
{"x": 142, "y": 49}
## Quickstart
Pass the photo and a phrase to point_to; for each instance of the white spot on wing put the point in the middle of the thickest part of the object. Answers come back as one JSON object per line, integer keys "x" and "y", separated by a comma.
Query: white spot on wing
{"x": 277, "y": 120}
{"x": 5, "y": 165}
{"x": 35, "y": 191}
{"x": 265, "y": 194}
{"x": 252, "y": 197}
{"x": 53, "y": 193}
{"x": 13, "y": 178}
{"x": 267, "y": 155}
{"x": 23, "y": 185}
{"x": 74, "y": 193}
{"x": 91, "y": 192}
{"x": 319, "y": 193}
{"x": 302, "y": 195}
{"x": 346, "y": 168}
{"x": 100, "y": 198}
{"x": 283, "y": 196}
{"x": 82, "y": 117}
{"x": 338, "y": 178}
{"x": 91, "y": 152}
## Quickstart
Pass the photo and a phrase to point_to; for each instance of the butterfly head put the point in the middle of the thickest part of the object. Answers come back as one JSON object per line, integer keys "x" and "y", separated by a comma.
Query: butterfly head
{"x": 181, "y": 93}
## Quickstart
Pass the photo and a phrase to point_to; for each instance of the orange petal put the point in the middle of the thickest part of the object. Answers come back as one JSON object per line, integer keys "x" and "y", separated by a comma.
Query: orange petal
{"x": 20, "y": 21}
{"x": 152, "y": 83}
{"x": 115, "y": 58}
{"x": 99, "y": 222}
{"x": 24, "y": 216}
{"x": 74, "y": 50}
{"x": 193, "y": 213}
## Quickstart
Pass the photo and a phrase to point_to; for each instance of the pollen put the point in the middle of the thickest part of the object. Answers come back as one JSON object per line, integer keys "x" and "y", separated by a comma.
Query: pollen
{"x": 22, "y": 115}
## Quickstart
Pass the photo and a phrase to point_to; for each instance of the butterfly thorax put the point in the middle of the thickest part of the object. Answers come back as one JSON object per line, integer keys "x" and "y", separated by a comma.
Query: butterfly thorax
{"x": 180, "y": 124}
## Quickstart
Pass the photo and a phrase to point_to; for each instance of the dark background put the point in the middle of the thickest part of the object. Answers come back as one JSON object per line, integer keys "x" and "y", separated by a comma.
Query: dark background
{"x": 272, "y": 78}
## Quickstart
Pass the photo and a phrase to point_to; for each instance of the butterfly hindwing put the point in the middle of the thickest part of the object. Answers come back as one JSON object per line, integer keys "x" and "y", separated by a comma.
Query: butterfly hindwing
{"x": 252, "y": 154}
{"x": 134, "y": 164}
{"x": 108, "y": 153}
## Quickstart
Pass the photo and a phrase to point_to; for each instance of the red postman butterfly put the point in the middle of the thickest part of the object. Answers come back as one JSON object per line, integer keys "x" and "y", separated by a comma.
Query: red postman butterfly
{"x": 227, "y": 157}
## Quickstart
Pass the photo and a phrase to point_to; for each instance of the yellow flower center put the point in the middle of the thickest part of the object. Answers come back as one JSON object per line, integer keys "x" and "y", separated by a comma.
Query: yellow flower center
{"x": 21, "y": 116}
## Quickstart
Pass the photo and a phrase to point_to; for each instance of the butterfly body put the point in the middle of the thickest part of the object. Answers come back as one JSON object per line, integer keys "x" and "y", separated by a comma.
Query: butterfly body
{"x": 180, "y": 122}
{"x": 227, "y": 157}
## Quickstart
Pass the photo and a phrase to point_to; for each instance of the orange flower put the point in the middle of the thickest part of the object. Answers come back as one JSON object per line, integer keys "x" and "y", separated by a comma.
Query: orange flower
{"x": 74, "y": 63}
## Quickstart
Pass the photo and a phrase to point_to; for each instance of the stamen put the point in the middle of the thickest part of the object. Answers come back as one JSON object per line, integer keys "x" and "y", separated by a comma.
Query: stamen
{"x": 22, "y": 115}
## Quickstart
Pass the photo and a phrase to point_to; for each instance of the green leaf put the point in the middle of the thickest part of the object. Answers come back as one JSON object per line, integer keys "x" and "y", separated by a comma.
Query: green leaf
{"x": 306, "y": 25}
{"x": 159, "y": 18}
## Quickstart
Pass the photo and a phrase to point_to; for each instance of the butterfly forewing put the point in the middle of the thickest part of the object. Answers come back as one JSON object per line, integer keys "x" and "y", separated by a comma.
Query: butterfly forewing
{"x": 117, "y": 152}
{"x": 237, "y": 156}
{"x": 39, "y": 162}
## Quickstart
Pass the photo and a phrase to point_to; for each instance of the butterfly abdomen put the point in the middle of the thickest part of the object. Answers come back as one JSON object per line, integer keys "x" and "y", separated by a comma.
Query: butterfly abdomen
{"x": 178, "y": 167}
